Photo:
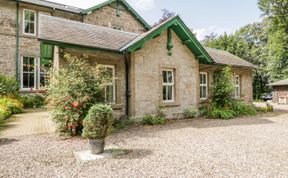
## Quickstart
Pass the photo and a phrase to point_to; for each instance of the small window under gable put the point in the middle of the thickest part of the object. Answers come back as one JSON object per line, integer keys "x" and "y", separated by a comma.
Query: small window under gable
{"x": 115, "y": 27}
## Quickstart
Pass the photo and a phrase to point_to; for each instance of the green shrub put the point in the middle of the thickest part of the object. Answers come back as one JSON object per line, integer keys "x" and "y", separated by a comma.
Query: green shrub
{"x": 98, "y": 122}
{"x": 223, "y": 104}
{"x": 153, "y": 120}
{"x": 268, "y": 108}
{"x": 72, "y": 90}
{"x": 13, "y": 106}
{"x": 243, "y": 109}
{"x": 123, "y": 123}
{"x": 32, "y": 100}
{"x": 190, "y": 113}
{"x": 8, "y": 86}
{"x": 217, "y": 113}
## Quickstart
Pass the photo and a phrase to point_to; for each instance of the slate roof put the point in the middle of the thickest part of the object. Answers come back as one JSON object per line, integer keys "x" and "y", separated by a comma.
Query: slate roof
{"x": 224, "y": 57}
{"x": 280, "y": 83}
{"x": 53, "y": 5}
{"x": 60, "y": 30}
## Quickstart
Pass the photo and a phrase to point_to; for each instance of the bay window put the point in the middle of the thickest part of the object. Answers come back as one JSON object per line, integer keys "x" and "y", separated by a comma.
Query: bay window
{"x": 168, "y": 85}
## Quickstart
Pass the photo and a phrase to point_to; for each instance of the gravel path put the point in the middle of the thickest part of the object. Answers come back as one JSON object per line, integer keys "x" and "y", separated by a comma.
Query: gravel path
{"x": 243, "y": 147}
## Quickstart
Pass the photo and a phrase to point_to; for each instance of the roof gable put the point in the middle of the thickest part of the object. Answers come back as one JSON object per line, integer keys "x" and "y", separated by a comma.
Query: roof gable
{"x": 181, "y": 30}
{"x": 123, "y": 3}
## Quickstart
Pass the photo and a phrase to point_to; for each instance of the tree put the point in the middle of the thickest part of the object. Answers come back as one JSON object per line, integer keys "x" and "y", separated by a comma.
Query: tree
{"x": 276, "y": 11}
{"x": 166, "y": 14}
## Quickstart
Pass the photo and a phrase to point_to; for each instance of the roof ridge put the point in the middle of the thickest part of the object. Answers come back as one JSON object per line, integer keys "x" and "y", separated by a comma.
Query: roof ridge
{"x": 106, "y": 28}
{"x": 61, "y": 4}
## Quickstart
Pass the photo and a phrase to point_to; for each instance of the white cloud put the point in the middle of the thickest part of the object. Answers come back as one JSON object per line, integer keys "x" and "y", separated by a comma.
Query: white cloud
{"x": 143, "y": 5}
{"x": 202, "y": 32}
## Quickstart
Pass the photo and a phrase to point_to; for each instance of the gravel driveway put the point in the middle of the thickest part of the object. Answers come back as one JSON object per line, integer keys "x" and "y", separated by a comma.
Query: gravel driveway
{"x": 243, "y": 147}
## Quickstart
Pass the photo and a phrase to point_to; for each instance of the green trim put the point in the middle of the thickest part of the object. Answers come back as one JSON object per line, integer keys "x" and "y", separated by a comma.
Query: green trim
{"x": 17, "y": 41}
{"x": 183, "y": 32}
{"x": 169, "y": 39}
{"x": 67, "y": 45}
{"x": 128, "y": 7}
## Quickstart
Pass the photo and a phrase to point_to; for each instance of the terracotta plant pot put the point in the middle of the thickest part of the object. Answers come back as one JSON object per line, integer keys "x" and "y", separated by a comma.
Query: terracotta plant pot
{"x": 96, "y": 146}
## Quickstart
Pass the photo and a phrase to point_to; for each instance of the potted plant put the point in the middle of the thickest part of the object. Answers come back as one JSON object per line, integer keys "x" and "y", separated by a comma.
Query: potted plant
{"x": 96, "y": 125}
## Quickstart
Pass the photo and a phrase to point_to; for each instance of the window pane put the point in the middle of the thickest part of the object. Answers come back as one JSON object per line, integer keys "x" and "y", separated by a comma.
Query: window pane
{"x": 169, "y": 93}
{"x": 26, "y": 27}
{"x": 109, "y": 93}
{"x": 25, "y": 64}
{"x": 31, "y": 65}
{"x": 25, "y": 80}
{"x": 32, "y": 16}
{"x": 43, "y": 80}
{"x": 31, "y": 28}
{"x": 169, "y": 76}
{"x": 164, "y": 76}
{"x": 164, "y": 93}
{"x": 31, "y": 80}
{"x": 27, "y": 15}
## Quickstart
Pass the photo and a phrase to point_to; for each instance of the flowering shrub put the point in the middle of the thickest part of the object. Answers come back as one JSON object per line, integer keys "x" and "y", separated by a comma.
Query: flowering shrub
{"x": 72, "y": 90}
{"x": 8, "y": 86}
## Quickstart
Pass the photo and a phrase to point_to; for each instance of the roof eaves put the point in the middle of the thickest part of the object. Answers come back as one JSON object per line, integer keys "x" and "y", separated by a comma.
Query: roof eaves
{"x": 133, "y": 12}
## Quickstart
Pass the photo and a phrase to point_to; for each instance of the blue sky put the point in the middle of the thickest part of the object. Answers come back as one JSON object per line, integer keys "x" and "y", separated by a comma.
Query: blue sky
{"x": 204, "y": 16}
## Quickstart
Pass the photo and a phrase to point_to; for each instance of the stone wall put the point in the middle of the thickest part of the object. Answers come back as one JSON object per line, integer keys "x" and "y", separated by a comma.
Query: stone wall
{"x": 28, "y": 45}
{"x": 280, "y": 91}
{"x": 7, "y": 38}
{"x": 146, "y": 77}
{"x": 245, "y": 77}
{"x": 106, "y": 17}
{"x": 106, "y": 58}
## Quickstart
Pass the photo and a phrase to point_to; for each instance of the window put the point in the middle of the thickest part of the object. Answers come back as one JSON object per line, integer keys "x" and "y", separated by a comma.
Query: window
{"x": 117, "y": 28}
{"x": 28, "y": 77}
{"x": 237, "y": 86}
{"x": 203, "y": 85}
{"x": 29, "y": 22}
{"x": 109, "y": 89}
{"x": 45, "y": 66}
{"x": 168, "y": 85}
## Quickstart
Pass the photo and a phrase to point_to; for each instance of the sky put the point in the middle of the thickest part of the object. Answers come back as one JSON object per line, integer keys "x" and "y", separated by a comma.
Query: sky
{"x": 203, "y": 16}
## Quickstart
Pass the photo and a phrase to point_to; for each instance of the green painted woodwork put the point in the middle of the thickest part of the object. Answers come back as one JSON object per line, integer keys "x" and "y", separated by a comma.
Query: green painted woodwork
{"x": 183, "y": 32}
{"x": 84, "y": 48}
{"x": 169, "y": 39}
{"x": 46, "y": 51}
{"x": 125, "y": 4}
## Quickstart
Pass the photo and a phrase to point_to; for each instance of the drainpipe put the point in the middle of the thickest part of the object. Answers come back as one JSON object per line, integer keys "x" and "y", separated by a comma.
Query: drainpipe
{"x": 127, "y": 72}
{"x": 17, "y": 38}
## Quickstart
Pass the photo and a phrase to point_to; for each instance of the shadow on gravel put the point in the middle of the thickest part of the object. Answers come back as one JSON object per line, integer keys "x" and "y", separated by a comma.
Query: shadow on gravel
{"x": 6, "y": 141}
{"x": 135, "y": 154}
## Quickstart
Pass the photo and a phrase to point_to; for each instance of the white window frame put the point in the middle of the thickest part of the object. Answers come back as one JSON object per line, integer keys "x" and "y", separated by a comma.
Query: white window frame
{"x": 35, "y": 22}
{"x": 167, "y": 85}
{"x": 204, "y": 85}
{"x": 35, "y": 75}
{"x": 113, "y": 82}
{"x": 237, "y": 86}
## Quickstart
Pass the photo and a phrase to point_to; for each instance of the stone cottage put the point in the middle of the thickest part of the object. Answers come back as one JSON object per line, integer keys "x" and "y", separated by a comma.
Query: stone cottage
{"x": 164, "y": 66}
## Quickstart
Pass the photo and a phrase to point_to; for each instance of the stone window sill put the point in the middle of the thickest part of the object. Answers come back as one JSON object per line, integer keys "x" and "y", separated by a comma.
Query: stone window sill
{"x": 170, "y": 104}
